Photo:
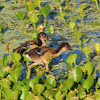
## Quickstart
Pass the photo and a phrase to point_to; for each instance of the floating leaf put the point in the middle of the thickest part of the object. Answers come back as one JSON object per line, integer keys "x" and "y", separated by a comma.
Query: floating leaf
{"x": 20, "y": 15}
{"x": 75, "y": 74}
{"x": 89, "y": 66}
{"x": 87, "y": 51}
{"x": 97, "y": 47}
{"x": 51, "y": 30}
{"x": 62, "y": 14}
{"x": 45, "y": 11}
{"x": 39, "y": 88}
{"x": 16, "y": 57}
{"x": 82, "y": 14}
{"x": 97, "y": 95}
{"x": 95, "y": 24}
{"x": 34, "y": 18}
{"x": 29, "y": 96}
{"x": 34, "y": 35}
{"x": 88, "y": 83}
{"x": 70, "y": 95}
{"x": 16, "y": 72}
{"x": 11, "y": 78}
{"x": 72, "y": 25}
{"x": 81, "y": 93}
{"x": 68, "y": 83}
{"x": 83, "y": 6}
{"x": 34, "y": 81}
{"x": 38, "y": 98}
{"x": 49, "y": 93}
{"x": 17, "y": 85}
{"x": 24, "y": 90}
{"x": 58, "y": 95}
{"x": 51, "y": 80}
{"x": 71, "y": 59}
{"x": 14, "y": 95}
{"x": 30, "y": 6}
{"x": 58, "y": 1}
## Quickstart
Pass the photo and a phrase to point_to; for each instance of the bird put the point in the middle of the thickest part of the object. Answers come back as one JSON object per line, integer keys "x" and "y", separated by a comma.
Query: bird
{"x": 41, "y": 55}
{"x": 32, "y": 43}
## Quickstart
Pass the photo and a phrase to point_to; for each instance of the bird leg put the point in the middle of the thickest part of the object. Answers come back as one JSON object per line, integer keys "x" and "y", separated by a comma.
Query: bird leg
{"x": 34, "y": 64}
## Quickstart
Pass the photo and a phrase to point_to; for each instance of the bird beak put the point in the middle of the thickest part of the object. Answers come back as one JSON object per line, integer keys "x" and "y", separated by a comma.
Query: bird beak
{"x": 48, "y": 38}
{"x": 71, "y": 49}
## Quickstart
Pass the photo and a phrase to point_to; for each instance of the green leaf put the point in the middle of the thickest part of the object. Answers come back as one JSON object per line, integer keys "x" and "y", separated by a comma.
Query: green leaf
{"x": 34, "y": 18}
{"x": 1, "y": 28}
{"x": 50, "y": 93}
{"x": 82, "y": 14}
{"x": 16, "y": 57}
{"x": 38, "y": 98}
{"x": 5, "y": 83}
{"x": 95, "y": 24}
{"x": 45, "y": 11}
{"x": 51, "y": 80}
{"x": 75, "y": 74}
{"x": 58, "y": 95}
{"x": 62, "y": 14}
{"x": 89, "y": 66}
{"x": 88, "y": 83}
{"x": 48, "y": 86}
{"x": 11, "y": 78}
{"x": 39, "y": 88}
{"x": 20, "y": 15}
{"x": 51, "y": 30}
{"x": 5, "y": 60}
{"x": 34, "y": 35}
{"x": 17, "y": 85}
{"x": 87, "y": 51}
{"x": 34, "y": 81}
{"x": 70, "y": 95}
{"x": 68, "y": 83}
{"x": 16, "y": 72}
{"x": 24, "y": 90}
{"x": 14, "y": 95}
{"x": 72, "y": 25}
{"x": 81, "y": 93}
{"x": 7, "y": 92}
{"x": 71, "y": 59}
{"x": 58, "y": 1}
{"x": 1, "y": 74}
{"x": 30, "y": 6}
{"x": 29, "y": 96}
{"x": 97, "y": 95}
{"x": 97, "y": 47}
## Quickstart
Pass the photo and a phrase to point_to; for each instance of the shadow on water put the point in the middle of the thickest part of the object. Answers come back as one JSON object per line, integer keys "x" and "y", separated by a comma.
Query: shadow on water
{"x": 1, "y": 7}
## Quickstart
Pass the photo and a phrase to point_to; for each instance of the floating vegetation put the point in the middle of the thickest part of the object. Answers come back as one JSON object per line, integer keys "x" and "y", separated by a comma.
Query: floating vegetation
{"x": 76, "y": 77}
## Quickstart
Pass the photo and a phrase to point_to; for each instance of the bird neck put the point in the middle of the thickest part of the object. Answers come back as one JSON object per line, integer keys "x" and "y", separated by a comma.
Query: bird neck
{"x": 59, "y": 51}
{"x": 41, "y": 42}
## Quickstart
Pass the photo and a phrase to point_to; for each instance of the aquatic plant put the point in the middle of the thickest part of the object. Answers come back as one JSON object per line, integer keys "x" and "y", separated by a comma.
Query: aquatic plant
{"x": 45, "y": 12}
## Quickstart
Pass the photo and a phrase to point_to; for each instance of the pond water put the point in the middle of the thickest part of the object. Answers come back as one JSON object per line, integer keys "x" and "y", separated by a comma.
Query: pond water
{"x": 16, "y": 33}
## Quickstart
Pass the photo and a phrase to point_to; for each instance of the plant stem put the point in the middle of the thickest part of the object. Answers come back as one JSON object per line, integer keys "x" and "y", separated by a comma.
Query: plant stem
{"x": 82, "y": 20}
{"x": 65, "y": 21}
{"x": 28, "y": 74}
{"x": 97, "y": 4}
{"x": 28, "y": 71}
{"x": 44, "y": 22}
{"x": 34, "y": 27}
